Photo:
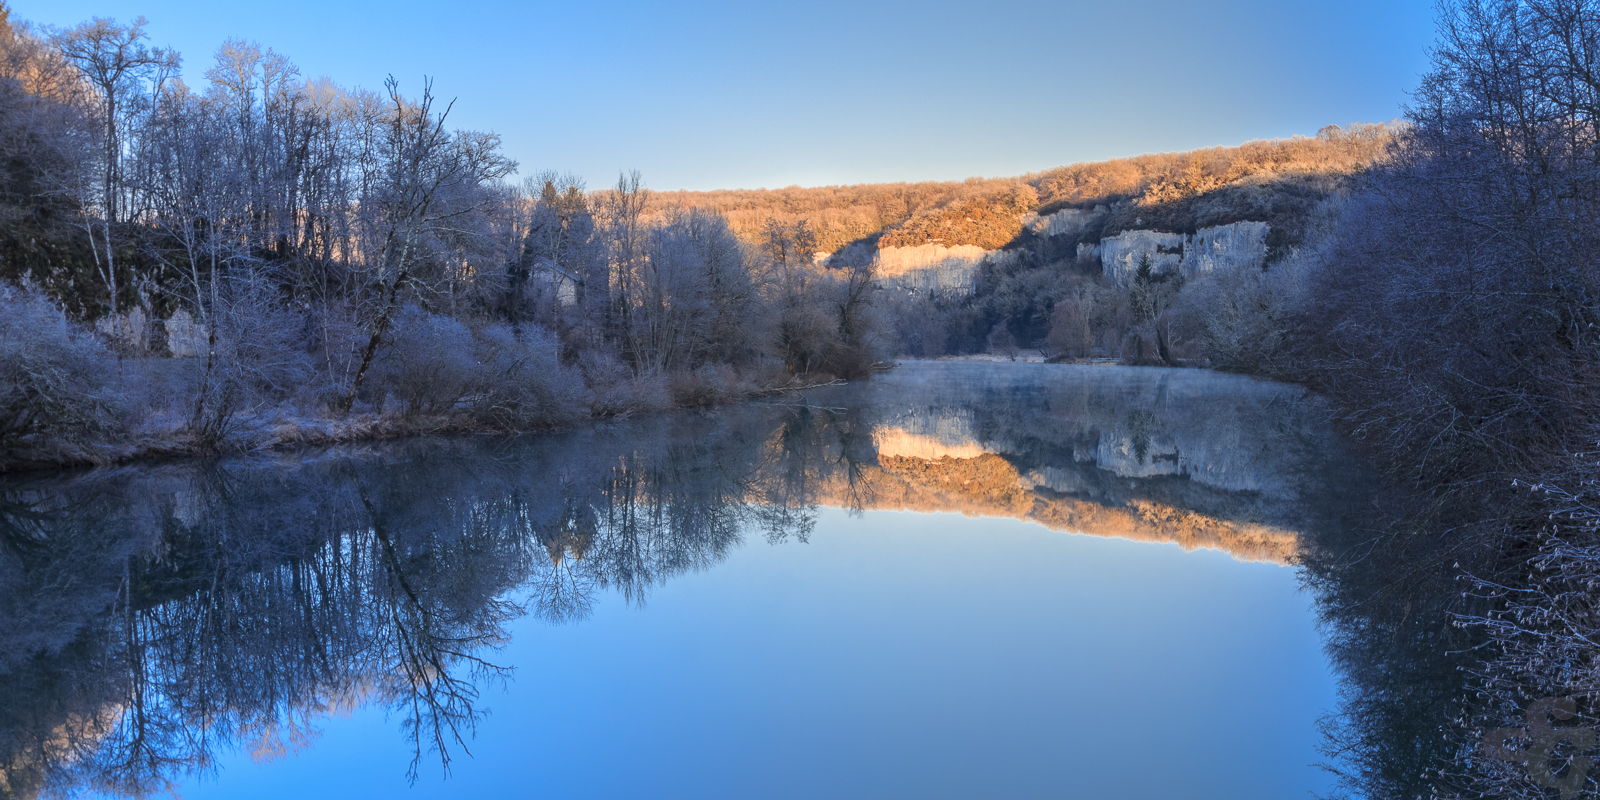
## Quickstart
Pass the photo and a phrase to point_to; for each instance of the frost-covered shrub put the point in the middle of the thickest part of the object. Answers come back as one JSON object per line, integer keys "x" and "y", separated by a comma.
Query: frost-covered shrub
{"x": 618, "y": 392}
{"x": 53, "y": 375}
{"x": 253, "y": 356}
{"x": 267, "y": 342}
{"x": 521, "y": 382}
{"x": 334, "y": 338}
{"x": 434, "y": 365}
{"x": 427, "y": 364}
{"x": 709, "y": 384}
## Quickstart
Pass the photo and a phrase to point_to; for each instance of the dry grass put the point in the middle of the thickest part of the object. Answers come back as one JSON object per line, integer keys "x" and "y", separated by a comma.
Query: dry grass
{"x": 988, "y": 221}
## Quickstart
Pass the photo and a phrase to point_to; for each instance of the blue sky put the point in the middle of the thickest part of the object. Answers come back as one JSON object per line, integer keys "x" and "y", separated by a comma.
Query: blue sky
{"x": 770, "y": 94}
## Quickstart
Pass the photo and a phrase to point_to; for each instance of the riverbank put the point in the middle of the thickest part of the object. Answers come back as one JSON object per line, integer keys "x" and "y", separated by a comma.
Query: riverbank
{"x": 176, "y": 427}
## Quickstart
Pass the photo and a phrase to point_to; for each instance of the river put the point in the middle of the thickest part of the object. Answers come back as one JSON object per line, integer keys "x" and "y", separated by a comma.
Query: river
{"x": 955, "y": 580}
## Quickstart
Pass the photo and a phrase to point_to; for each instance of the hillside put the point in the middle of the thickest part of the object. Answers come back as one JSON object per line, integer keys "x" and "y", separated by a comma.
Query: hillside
{"x": 1275, "y": 181}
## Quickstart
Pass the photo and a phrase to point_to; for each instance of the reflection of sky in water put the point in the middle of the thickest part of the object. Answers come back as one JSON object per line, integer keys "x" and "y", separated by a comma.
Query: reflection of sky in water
{"x": 895, "y": 655}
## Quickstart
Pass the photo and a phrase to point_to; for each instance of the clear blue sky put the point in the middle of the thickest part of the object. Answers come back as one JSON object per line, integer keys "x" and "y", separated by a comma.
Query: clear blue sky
{"x": 724, "y": 95}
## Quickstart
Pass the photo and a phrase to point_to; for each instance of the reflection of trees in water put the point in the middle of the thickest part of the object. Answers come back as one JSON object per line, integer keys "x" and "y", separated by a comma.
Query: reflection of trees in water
{"x": 1389, "y": 597}
{"x": 812, "y": 453}
{"x": 154, "y": 616}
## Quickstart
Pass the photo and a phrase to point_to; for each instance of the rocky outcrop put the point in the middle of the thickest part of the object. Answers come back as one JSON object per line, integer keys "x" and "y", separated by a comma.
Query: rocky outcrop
{"x": 1066, "y": 222}
{"x": 1121, "y": 255}
{"x": 1222, "y": 247}
{"x": 934, "y": 267}
{"x": 1225, "y": 247}
{"x": 896, "y": 261}
{"x": 185, "y": 337}
{"x": 131, "y": 329}
{"x": 987, "y": 485}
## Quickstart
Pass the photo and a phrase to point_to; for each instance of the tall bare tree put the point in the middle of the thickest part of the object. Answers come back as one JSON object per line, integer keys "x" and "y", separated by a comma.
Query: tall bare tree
{"x": 427, "y": 181}
{"x": 122, "y": 71}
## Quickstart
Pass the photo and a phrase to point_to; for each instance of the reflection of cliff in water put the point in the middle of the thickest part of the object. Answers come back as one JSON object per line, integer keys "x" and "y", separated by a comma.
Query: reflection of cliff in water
{"x": 1194, "y": 458}
{"x": 152, "y": 617}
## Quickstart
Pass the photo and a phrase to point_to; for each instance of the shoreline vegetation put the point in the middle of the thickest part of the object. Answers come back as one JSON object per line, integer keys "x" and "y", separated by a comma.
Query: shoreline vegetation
{"x": 481, "y": 410}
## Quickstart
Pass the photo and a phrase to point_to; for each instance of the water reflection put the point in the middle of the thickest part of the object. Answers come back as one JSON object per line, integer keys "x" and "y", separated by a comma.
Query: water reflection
{"x": 1388, "y": 595}
{"x": 1195, "y": 458}
{"x": 152, "y": 618}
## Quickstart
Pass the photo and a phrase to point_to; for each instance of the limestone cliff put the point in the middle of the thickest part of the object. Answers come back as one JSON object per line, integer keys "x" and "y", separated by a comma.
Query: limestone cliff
{"x": 1121, "y": 255}
{"x": 1066, "y": 222}
{"x": 986, "y": 485}
{"x": 1223, "y": 247}
{"x": 934, "y": 267}
{"x": 1191, "y": 457}
{"x": 1226, "y": 247}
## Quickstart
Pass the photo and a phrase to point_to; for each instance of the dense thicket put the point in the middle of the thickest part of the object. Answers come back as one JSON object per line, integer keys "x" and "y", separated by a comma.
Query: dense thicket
{"x": 1451, "y": 310}
{"x": 272, "y": 258}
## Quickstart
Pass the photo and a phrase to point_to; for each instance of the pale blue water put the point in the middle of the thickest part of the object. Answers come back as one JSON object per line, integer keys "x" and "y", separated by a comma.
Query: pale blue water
{"x": 878, "y": 654}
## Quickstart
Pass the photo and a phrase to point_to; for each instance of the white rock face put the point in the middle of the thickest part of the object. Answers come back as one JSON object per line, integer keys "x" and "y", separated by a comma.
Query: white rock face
{"x": 896, "y": 261}
{"x": 1066, "y": 222}
{"x": 1121, "y": 255}
{"x": 185, "y": 337}
{"x": 900, "y": 442}
{"x": 936, "y": 268}
{"x": 1223, "y": 247}
{"x": 1139, "y": 458}
{"x": 920, "y": 431}
{"x": 933, "y": 267}
{"x": 1060, "y": 481}
{"x": 132, "y": 327}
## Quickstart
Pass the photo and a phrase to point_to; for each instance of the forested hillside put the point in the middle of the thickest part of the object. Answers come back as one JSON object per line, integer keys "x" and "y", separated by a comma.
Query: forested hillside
{"x": 1038, "y": 283}
{"x": 269, "y": 258}
{"x": 1167, "y": 191}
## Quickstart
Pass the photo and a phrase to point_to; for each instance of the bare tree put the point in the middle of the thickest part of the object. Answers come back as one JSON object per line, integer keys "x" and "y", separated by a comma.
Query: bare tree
{"x": 423, "y": 169}
{"x": 114, "y": 60}
{"x": 622, "y": 211}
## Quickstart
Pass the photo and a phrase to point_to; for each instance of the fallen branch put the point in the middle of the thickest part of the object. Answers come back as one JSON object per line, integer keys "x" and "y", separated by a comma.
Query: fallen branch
{"x": 829, "y": 409}
{"x": 766, "y": 390}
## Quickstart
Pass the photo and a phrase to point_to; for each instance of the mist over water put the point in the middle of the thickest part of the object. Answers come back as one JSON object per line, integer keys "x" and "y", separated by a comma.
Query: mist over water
{"x": 954, "y": 580}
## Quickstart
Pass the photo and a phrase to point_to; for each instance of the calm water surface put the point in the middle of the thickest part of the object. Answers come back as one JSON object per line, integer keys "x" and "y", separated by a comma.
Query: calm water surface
{"x": 958, "y": 580}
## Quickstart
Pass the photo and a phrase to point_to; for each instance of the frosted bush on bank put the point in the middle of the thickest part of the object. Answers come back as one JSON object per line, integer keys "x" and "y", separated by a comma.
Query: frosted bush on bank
{"x": 437, "y": 366}
{"x": 55, "y": 399}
